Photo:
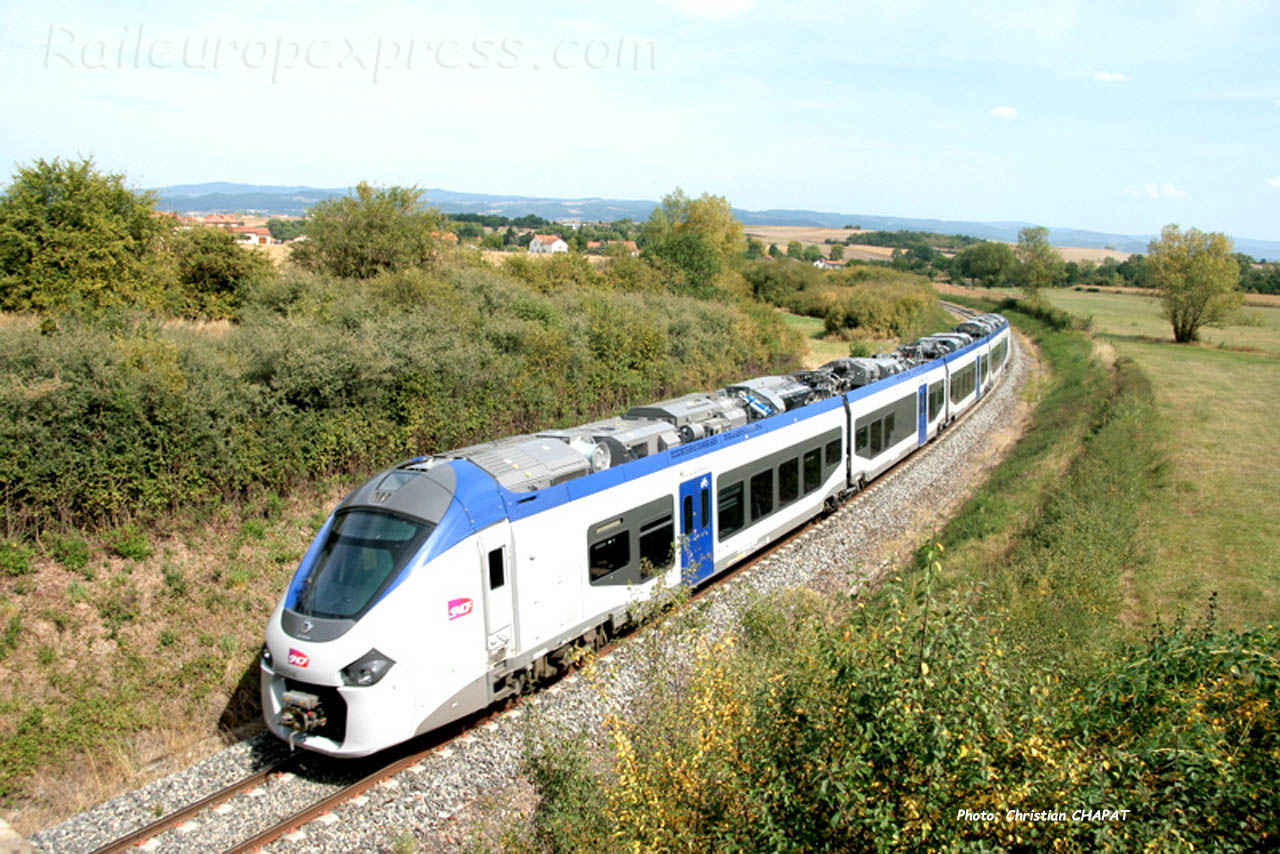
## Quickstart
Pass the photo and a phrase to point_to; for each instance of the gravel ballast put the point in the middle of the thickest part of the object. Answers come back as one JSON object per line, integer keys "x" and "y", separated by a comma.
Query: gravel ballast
{"x": 435, "y": 800}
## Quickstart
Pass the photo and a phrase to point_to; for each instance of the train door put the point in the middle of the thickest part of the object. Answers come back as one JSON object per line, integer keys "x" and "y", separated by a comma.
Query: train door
{"x": 922, "y": 414}
{"x": 698, "y": 560}
{"x": 497, "y": 585}
{"x": 977, "y": 376}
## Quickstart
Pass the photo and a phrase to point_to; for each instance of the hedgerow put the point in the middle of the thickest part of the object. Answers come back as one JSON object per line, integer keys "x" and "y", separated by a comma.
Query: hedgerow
{"x": 107, "y": 419}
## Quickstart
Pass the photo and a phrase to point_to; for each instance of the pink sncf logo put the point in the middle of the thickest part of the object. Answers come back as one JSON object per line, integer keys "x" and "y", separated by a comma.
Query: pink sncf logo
{"x": 460, "y": 608}
{"x": 298, "y": 658}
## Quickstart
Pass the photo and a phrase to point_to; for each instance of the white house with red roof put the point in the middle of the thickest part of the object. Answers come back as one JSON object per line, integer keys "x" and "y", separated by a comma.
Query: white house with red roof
{"x": 249, "y": 234}
{"x": 545, "y": 244}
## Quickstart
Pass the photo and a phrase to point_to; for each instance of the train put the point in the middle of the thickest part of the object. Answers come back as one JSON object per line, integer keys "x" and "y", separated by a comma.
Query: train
{"x": 451, "y": 582}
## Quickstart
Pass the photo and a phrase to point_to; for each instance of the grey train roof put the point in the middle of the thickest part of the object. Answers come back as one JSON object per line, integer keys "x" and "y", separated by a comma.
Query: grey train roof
{"x": 527, "y": 463}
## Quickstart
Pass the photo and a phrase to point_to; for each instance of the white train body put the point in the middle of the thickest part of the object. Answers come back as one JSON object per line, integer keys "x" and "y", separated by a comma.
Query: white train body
{"x": 444, "y": 583}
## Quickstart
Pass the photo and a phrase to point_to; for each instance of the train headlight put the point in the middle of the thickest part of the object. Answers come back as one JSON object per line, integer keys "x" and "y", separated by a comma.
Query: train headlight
{"x": 367, "y": 669}
{"x": 265, "y": 655}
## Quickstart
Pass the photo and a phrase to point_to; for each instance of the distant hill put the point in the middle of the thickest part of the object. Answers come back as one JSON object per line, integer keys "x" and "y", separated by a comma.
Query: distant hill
{"x": 227, "y": 197}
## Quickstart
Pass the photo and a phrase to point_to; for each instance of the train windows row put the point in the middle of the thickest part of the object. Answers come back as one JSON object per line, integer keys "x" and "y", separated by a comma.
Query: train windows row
{"x": 885, "y": 427}
{"x": 634, "y": 546}
{"x": 751, "y": 492}
{"x": 963, "y": 382}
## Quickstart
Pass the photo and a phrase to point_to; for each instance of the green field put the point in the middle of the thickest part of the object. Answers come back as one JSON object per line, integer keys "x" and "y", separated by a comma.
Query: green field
{"x": 1213, "y": 527}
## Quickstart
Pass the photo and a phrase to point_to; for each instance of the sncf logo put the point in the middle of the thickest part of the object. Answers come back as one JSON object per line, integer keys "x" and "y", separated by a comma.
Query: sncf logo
{"x": 460, "y": 608}
{"x": 299, "y": 659}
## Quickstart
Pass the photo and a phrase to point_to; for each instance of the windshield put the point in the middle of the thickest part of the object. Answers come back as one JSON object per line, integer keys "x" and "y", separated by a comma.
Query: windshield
{"x": 363, "y": 553}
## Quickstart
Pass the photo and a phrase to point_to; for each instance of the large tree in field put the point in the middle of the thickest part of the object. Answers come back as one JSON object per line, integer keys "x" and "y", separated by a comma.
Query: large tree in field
{"x": 74, "y": 237}
{"x": 1039, "y": 264}
{"x": 377, "y": 230}
{"x": 698, "y": 236}
{"x": 988, "y": 262}
{"x": 1198, "y": 278}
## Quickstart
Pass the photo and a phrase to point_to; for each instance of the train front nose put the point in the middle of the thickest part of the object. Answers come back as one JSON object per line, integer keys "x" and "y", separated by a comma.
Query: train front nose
{"x": 338, "y": 719}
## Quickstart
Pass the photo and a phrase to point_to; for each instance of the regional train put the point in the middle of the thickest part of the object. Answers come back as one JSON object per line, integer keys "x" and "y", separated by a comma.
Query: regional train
{"x": 450, "y": 582}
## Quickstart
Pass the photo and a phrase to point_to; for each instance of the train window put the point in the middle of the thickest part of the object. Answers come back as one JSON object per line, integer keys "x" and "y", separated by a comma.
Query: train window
{"x": 875, "y": 438}
{"x": 833, "y": 452}
{"x": 789, "y": 481}
{"x": 936, "y": 397}
{"x": 657, "y": 546}
{"x": 888, "y": 430}
{"x": 609, "y": 555}
{"x": 688, "y": 514}
{"x": 729, "y": 509}
{"x": 497, "y": 573}
{"x": 706, "y": 506}
{"x": 860, "y": 441}
{"x": 812, "y": 470}
{"x": 761, "y": 494}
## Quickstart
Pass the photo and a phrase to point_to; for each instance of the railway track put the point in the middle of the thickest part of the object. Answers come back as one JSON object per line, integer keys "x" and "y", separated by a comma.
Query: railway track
{"x": 385, "y": 767}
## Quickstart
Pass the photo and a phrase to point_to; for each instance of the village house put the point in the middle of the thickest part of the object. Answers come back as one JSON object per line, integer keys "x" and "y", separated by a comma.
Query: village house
{"x": 828, "y": 264}
{"x": 252, "y": 235}
{"x": 542, "y": 244}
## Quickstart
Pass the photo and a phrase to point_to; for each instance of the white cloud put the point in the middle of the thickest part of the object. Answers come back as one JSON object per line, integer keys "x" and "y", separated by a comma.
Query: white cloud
{"x": 1004, "y": 112}
{"x": 1153, "y": 190}
{"x": 710, "y": 8}
{"x": 1111, "y": 77}
{"x": 1273, "y": 182}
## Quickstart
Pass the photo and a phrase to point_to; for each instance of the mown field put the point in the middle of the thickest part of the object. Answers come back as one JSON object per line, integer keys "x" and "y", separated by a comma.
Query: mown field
{"x": 1214, "y": 529}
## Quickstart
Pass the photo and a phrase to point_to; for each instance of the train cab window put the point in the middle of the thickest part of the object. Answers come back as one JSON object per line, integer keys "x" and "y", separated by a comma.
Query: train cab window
{"x": 730, "y": 509}
{"x": 833, "y": 452}
{"x": 860, "y": 441}
{"x": 609, "y": 555}
{"x": 497, "y": 572}
{"x": 788, "y": 481}
{"x": 657, "y": 546}
{"x": 688, "y": 514}
{"x": 888, "y": 430}
{"x": 812, "y": 470}
{"x": 761, "y": 494}
{"x": 875, "y": 438}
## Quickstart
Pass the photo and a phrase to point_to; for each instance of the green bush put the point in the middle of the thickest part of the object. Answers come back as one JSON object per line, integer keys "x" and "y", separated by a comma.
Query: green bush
{"x": 15, "y": 558}
{"x": 71, "y": 551}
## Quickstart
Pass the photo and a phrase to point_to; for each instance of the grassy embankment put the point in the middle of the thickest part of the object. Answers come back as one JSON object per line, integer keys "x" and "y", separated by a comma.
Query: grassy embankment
{"x": 1004, "y": 673}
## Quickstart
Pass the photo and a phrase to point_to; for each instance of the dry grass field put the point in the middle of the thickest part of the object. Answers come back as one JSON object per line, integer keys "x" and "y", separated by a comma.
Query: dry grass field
{"x": 784, "y": 234}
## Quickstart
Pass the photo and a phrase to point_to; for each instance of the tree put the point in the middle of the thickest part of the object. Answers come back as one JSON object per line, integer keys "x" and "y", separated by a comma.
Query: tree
{"x": 811, "y": 253}
{"x": 754, "y": 248}
{"x": 774, "y": 251}
{"x": 71, "y": 236}
{"x": 1040, "y": 265}
{"x": 286, "y": 229}
{"x": 1198, "y": 278}
{"x": 837, "y": 252}
{"x": 700, "y": 237}
{"x": 377, "y": 230}
{"x": 988, "y": 262}
{"x": 212, "y": 271}
{"x": 795, "y": 250}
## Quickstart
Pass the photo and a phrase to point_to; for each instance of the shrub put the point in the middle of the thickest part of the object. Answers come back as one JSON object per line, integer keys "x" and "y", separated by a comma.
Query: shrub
{"x": 15, "y": 558}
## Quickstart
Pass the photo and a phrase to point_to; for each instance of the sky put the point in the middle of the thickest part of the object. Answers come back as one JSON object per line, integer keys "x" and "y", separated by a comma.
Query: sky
{"x": 1117, "y": 117}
